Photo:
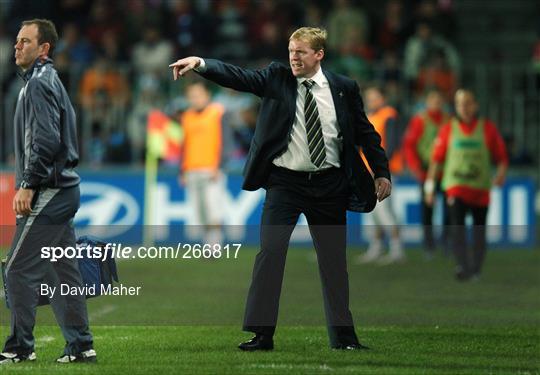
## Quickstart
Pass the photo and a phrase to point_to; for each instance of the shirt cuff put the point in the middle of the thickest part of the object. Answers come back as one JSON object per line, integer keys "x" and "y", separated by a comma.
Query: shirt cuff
{"x": 202, "y": 66}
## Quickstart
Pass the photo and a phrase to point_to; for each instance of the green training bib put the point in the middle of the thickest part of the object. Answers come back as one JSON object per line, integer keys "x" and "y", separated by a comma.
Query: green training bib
{"x": 467, "y": 159}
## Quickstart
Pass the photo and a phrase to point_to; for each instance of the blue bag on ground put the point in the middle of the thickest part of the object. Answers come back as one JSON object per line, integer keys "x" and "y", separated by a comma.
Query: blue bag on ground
{"x": 96, "y": 271}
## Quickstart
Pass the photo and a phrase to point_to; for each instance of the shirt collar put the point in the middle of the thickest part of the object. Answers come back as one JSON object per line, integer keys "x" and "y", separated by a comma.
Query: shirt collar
{"x": 318, "y": 78}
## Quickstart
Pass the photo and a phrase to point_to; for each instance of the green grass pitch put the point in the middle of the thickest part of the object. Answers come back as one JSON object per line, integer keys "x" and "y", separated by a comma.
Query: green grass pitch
{"x": 414, "y": 316}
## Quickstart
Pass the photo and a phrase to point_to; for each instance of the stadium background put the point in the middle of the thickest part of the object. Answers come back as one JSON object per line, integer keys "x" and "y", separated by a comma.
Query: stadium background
{"x": 492, "y": 47}
{"x": 113, "y": 57}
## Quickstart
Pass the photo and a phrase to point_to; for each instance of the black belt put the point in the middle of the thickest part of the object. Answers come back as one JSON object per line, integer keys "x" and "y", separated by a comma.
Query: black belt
{"x": 306, "y": 175}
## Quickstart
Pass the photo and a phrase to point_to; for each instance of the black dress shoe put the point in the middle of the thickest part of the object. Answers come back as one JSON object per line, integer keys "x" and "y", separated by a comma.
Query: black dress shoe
{"x": 356, "y": 346}
{"x": 259, "y": 342}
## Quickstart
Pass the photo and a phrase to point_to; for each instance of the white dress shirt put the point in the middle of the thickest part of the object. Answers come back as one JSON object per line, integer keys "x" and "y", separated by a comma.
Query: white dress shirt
{"x": 297, "y": 157}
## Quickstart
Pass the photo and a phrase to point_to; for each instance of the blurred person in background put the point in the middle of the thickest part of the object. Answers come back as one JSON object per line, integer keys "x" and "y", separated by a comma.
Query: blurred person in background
{"x": 77, "y": 48}
{"x": 148, "y": 95}
{"x": 425, "y": 46}
{"x": 73, "y": 54}
{"x": 388, "y": 73}
{"x": 102, "y": 77}
{"x": 464, "y": 151}
{"x": 439, "y": 14}
{"x": 187, "y": 24}
{"x": 202, "y": 151}
{"x": 353, "y": 56}
{"x": 436, "y": 73}
{"x": 385, "y": 120}
{"x": 313, "y": 14}
{"x": 103, "y": 94}
{"x": 304, "y": 154}
{"x": 270, "y": 44}
{"x": 392, "y": 27}
{"x": 418, "y": 146}
{"x": 268, "y": 23}
{"x": 345, "y": 18}
{"x": 150, "y": 54}
{"x": 45, "y": 203}
{"x": 110, "y": 46}
{"x": 138, "y": 13}
{"x": 102, "y": 19}
{"x": 230, "y": 30}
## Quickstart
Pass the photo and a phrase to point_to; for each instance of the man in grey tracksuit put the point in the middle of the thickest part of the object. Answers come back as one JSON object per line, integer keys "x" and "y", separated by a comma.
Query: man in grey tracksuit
{"x": 46, "y": 201}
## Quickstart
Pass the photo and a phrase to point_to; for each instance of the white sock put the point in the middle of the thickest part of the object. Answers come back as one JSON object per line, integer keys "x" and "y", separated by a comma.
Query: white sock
{"x": 396, "y": 248}
{"x": 214, "y": 237}
{"x": 375, "y": 246}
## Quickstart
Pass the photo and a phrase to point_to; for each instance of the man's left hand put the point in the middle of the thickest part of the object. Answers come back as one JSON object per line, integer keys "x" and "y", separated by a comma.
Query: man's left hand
{"x": 22, "y": 202}
{"x": 499, "y": 179}
{"x": 216, "y": 174}
{"x": 383, "y": 188}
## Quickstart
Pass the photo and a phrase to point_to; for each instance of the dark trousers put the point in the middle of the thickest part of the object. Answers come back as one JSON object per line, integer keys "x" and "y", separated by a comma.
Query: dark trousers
{"x": 322, "y": 198}
{"x": 49, "y": 224}
{"x": 468, "y": 258}
{"x": 427, "y": 221}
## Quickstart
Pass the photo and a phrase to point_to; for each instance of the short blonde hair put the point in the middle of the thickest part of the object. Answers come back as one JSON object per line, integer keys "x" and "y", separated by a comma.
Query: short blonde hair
{"x": 315, "y": 36}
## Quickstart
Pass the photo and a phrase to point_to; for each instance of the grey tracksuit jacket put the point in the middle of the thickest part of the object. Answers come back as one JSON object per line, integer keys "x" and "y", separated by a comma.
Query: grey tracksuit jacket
{"x": 45, "y": 131}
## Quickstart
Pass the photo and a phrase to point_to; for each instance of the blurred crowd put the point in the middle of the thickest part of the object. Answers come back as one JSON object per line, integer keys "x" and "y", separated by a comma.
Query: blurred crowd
{"x": 113, "y": 56}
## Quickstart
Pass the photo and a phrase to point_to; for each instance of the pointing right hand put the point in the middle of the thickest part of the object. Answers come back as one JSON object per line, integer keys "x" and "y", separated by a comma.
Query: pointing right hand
{"x": 182, "y": 66}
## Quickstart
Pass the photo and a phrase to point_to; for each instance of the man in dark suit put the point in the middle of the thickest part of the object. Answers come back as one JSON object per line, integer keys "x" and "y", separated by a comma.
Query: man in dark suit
{"x": 305, "y": 154}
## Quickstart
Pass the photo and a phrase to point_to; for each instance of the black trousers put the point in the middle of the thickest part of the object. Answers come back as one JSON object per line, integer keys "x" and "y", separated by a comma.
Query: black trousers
{"x": 468, "y": 258}
{"x": 427, "y": 221}
{"x": 322, "y": 198}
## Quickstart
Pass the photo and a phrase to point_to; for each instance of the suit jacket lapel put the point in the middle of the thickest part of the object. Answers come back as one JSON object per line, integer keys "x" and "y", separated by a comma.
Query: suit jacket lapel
{"x": 292, "y": 93}
{"x": 338, "y": 95}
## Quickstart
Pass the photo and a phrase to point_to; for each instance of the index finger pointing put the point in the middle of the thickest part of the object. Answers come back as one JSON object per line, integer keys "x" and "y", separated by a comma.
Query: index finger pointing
{"x": 184, "y": 70}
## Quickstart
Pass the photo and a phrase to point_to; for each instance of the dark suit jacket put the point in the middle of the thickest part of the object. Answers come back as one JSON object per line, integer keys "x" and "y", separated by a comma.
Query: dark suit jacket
{"x": 277, "y": 87}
